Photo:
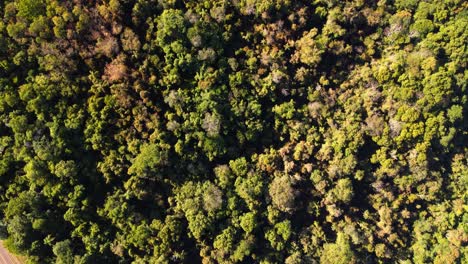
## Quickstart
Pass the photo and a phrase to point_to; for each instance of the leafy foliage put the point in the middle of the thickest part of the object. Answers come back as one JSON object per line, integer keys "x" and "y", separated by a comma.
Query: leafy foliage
{"x": 272, "y": 131}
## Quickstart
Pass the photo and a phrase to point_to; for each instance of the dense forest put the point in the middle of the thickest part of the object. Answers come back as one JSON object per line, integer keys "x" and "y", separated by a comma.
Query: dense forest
{"x": 234, "y": 131}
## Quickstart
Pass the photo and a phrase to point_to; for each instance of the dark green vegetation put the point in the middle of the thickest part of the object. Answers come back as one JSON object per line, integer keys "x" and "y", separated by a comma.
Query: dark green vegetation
{"x": 274, "y": 131}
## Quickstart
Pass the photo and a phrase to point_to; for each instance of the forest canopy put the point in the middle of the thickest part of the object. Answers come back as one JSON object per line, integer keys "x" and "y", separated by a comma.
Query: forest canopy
{"x": 234, "y": 131}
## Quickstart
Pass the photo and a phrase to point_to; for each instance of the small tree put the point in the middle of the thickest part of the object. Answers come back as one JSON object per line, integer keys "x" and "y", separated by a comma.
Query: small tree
{"x": 282, "y": 193}
{"x": 30, "y": 9}
{"x": 338, "y": 252}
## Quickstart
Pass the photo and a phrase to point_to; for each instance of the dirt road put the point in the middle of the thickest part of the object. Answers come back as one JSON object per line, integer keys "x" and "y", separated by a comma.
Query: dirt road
{"x": 7, "y": 258}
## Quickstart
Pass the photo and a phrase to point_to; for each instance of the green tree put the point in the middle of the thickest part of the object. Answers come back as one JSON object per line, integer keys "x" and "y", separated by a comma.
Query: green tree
{"x": 63, "y": 252}
{"x": 338, "y": 252}
{"x": 30, "y": 8}
{"x": 283, "y": 193}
